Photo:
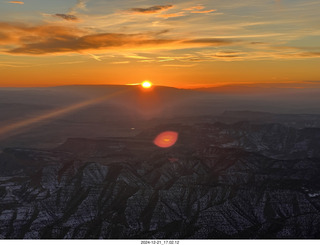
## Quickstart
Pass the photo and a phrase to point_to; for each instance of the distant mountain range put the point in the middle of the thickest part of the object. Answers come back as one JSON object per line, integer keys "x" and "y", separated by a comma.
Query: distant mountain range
{"x": 113, "y": 110}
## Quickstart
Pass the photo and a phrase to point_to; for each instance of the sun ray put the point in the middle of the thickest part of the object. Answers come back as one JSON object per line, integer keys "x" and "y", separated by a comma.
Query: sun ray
{"x": 53, "y": 114}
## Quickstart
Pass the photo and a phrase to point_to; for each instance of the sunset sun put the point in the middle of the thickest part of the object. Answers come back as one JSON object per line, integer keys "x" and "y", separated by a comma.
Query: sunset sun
{"x": 146, "y": 84}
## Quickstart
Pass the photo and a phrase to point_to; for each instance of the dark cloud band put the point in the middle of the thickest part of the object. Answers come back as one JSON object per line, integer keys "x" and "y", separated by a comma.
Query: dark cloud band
{"x": 68, "y": 17}
{"x": 151, "y": 10}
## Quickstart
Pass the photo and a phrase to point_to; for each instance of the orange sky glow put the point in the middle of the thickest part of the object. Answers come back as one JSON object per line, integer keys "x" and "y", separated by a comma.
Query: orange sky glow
{"x": 179, "y": 43}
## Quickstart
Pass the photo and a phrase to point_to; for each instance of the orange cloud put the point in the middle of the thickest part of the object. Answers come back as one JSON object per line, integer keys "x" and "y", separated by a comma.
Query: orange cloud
{"x": 203, "y": 11}
{"x": 212, "y": 41}
{"x": 53, "y": 39}
{"x": 227, "y": 55}
{"x": 151, "y": 10}
{"x": 19, "y": 34}
{"x": 17, "y": 2}
{"x": 198, "y": 7}
{"x": 89, "y": 42}
{"x": 173, "y": 15}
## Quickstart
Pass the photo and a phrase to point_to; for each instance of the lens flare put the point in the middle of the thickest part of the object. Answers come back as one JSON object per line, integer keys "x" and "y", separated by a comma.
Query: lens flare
{"x": 146, "y": 84}
{"x": 166, "y": 139}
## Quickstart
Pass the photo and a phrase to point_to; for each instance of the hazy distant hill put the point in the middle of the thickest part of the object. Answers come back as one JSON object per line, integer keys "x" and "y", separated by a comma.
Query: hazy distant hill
{"x": 126, "y": 110}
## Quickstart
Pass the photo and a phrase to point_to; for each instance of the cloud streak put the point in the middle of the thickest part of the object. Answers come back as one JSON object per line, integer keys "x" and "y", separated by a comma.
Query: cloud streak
{"x": 17, "y": 2}
{"x": 212, "y": 41}
{"x": 151, "y": 10}
{"x": 203, "y": 11}
{"x": 68, "y": 17}
{"x": 197, "y": 7}
{"x": 71, "y": 44}
{"x": 172, "y": 15}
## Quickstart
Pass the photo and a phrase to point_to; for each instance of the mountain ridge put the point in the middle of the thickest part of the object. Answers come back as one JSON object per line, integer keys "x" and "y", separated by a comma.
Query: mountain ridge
{"x": 189, "y": 191}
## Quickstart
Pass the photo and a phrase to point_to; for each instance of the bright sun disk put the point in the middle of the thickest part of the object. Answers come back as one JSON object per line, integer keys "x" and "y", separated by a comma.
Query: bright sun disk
{"x": 146, "y": 84}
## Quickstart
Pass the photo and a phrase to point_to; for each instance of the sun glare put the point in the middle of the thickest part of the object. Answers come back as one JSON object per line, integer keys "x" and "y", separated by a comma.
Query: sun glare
{"x": 146, "y": 84}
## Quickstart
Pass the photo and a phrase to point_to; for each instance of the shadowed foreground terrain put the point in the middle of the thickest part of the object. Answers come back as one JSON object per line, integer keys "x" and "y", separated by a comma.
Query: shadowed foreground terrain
{"x": 240, "y": 180}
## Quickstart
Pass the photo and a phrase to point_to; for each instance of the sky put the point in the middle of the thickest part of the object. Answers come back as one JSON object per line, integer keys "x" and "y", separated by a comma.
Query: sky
{"x": 175, "y": 43}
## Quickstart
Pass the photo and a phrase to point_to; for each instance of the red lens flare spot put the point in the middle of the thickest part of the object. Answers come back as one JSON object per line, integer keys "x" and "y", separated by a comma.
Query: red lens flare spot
{"x": 166, "y": 139}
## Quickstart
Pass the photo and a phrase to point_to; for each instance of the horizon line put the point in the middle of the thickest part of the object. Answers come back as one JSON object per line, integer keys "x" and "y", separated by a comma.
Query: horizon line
{"x": 189, "y": 87}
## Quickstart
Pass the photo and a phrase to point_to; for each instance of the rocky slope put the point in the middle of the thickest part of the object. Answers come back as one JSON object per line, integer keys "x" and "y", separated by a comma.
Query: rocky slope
{"x": 218, "y": 181}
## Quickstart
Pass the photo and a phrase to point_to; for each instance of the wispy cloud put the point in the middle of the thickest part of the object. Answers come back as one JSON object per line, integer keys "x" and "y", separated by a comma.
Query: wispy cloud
{"x": 17, "y": 2}
{"x": 71, "y": 14}
{"x": 50, "y": 39}
{"x": 68, "y": 17}
{"x": 46, "y": 39}
{"x": 81, "y": 4}
{"x": 150, "y": 10}
{"x": 71, "y": 62}
{"x": 103, "y": 41}
{"x": 227, "y": 55}
{"x": 96, "y": 57}
{"x": 203, "y": 11}
{"x": 180, "y": 65}
{"x": 136, "y": 56}
{"x": 212, "y": 41}
{"x": 120, "y": 62}
{"x": 197, "y": 7}
{"x": 13, "y": 34}
{"x": 14, "y": 64}
{"x": 172, "y": 15}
